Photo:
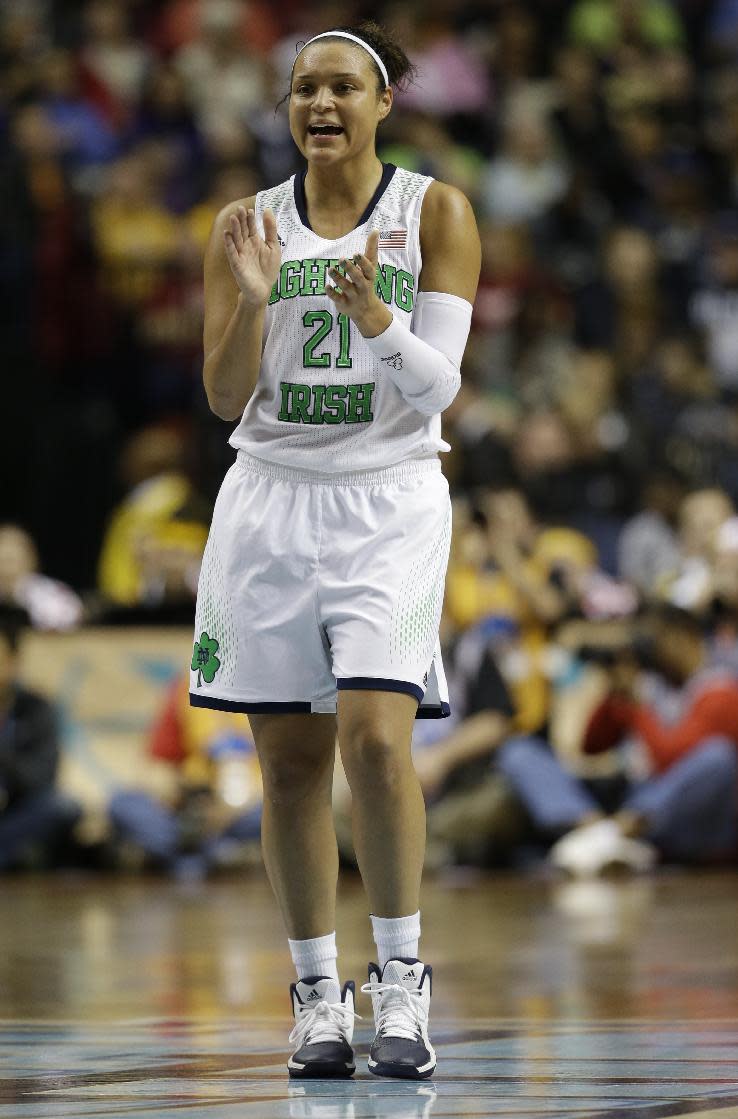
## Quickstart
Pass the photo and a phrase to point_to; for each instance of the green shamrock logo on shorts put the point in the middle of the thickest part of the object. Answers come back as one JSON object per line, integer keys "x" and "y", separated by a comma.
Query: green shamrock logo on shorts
{"x": 204, "y": 661}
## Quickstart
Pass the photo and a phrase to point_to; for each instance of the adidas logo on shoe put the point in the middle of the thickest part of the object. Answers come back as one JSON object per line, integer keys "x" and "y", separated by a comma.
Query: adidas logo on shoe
{"x": 312, "y": 996}
{"x": 409, "y": 975}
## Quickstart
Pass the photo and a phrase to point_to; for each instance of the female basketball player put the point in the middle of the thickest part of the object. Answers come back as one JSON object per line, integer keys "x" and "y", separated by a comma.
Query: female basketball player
{"x": 337, "y": 308}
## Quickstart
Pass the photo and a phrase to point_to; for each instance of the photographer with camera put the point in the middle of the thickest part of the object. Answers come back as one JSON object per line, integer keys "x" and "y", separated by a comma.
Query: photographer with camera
{"x": 686, "y": 809}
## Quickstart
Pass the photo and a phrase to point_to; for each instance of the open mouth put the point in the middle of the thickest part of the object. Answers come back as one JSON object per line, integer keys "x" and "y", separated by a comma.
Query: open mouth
{"x": 325, "y": 129}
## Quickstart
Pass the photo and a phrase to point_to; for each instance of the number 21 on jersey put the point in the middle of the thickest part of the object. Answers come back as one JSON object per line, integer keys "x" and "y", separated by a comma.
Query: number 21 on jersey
{"x": 324, "y": 321}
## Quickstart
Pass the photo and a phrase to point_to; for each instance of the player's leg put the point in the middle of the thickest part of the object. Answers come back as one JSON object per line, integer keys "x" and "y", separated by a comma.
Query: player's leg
{"x": 388, "y": 811}
{"x": 374, "y": 733}
{"x": 296, "y": 755}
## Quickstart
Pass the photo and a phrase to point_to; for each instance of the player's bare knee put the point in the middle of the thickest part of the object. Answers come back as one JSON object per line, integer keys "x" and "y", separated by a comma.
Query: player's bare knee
{"x": 296, "y": 755}
{"x": 293, "y": 770}
{"x": 289, "y": 783}
{"x": 372, "y": 759}
{"x": 294, "y": 774}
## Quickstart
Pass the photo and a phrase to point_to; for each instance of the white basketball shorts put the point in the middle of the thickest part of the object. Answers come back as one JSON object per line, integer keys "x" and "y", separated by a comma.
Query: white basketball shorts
{"x": 312, "y": 583}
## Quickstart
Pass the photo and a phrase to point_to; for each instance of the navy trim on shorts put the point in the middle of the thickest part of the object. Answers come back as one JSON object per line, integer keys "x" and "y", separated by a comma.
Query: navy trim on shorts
{"x": 372, "y": 683}
{"x": 245, "y": 708}
{"x": 434, "y": 712}
{"x": 368, "y": 683}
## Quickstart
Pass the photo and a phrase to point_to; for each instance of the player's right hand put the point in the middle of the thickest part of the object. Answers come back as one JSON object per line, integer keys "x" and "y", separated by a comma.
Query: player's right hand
{"x": 254, "y": 260}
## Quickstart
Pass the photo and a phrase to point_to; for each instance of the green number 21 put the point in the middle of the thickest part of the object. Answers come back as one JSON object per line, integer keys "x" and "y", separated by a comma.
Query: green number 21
{"x": 324, "y": 322}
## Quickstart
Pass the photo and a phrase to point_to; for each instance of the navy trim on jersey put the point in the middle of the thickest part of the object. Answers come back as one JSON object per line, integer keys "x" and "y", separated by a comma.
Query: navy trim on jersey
{"x": 372, "y": 683}
{"x": 388, "y": 170}
{"x": 240, "y": 708}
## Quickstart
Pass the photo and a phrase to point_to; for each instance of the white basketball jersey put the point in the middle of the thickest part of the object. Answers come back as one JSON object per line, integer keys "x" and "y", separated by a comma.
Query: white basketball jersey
{"x": 323, "y": 400}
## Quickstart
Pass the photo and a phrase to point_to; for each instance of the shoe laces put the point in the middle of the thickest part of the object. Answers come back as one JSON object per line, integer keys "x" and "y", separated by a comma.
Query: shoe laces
{"x": 401, "y": 1013}
{"x": 326, "y": 1021}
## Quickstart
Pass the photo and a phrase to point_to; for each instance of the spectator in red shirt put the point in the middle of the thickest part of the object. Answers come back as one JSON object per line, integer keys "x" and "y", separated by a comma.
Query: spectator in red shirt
{"x": 709, "y": 695}
{"x": 687, "y": 810}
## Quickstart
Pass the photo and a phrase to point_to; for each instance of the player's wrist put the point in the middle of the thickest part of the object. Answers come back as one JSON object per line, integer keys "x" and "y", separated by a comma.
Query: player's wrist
{"x": 251, "y": 303}
{"x": 375, "y": 321}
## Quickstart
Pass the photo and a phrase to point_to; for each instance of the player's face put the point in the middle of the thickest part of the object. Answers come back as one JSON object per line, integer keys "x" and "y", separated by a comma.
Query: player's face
{"x": 335, "y": 106}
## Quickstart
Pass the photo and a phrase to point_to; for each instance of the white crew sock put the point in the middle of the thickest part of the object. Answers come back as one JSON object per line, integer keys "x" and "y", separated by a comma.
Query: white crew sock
{"x": 396, "y": 936}
{"x": 315, "y": 957}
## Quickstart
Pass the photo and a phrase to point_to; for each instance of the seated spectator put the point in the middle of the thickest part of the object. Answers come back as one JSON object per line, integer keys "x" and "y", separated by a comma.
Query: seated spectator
{"x": 580, "y": 116}
{"x": 714, "y": 306}
{"x": 180, "y": 23}
{"x": 134, "y": 234}
{"x": 87, "y": 138}
{"x": 625, "y": 306}
{"x": 49, "y": 603}
{"x": 455, "y": 78}
{"x": 35, "y": 820}
{"x": 473, "y": 818}
{"x": 213, "y": 807}
{"x": 673, "y": 391}
{"x": 648, "y": 547}
{"x": 528, "y": 176}
{"x": 494, "y": 584}
{"x": 701, "y": 514}
{"x": 686, "y": 808}
{"x": 225, "y": 77}
{"x": 515, "y": 293}
{"x": 164, "y": 114}
{"x": 154, "y": 543}
{"x": 113, "y": 61}
{"x": 565, "y": 484}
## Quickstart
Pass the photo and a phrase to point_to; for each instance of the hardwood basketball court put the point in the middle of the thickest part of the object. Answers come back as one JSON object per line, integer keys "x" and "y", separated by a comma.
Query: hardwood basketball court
{"x": 576, "y": 1000}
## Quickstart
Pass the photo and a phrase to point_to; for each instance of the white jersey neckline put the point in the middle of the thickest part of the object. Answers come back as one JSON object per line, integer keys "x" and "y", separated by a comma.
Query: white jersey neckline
{"x": 298, "y": 187}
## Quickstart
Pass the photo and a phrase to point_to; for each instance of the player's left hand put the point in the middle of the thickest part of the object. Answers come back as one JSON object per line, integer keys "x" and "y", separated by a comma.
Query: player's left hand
{"x": 355, "y": 292}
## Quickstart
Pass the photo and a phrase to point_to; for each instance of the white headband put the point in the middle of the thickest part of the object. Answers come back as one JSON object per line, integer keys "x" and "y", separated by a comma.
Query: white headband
{"x": 354, "y": 39}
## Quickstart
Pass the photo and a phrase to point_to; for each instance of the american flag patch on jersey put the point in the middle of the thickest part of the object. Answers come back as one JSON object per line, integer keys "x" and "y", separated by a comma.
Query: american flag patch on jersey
{"x": 392, "y": 238}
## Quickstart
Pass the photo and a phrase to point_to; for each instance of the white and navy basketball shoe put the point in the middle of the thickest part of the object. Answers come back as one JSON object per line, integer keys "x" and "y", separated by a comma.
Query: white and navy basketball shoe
{"x": 324, "y": 1027}
{"x": 401, "y": 1000}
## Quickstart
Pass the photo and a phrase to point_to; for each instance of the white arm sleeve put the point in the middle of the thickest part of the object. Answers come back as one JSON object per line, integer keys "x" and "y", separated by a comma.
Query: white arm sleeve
{"x": 425, "y": 364}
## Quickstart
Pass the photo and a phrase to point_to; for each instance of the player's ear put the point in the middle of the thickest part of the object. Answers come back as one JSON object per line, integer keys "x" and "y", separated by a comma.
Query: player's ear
{"x": 385, "y": 103}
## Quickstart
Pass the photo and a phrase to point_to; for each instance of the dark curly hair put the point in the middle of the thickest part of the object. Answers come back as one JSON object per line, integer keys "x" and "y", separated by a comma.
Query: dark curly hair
{"x": 400, "y": 70}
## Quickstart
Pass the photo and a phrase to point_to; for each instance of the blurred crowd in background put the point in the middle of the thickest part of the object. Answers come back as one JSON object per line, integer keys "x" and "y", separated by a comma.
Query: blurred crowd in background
{"x": 593, "y": 582}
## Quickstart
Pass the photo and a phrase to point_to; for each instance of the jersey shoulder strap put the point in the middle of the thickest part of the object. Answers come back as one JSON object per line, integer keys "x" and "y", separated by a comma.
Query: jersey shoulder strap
{"x": 281, "y": 200}
{"x": 403, "y": 196}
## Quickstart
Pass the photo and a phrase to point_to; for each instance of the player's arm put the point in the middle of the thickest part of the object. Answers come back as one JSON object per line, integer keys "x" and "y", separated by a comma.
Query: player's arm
{"x": 424, "y": 363}
{"x": 240, "y": 268}
{"x": 449, "y": 244}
